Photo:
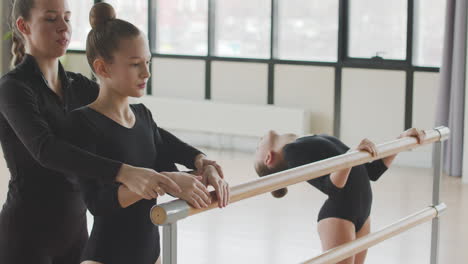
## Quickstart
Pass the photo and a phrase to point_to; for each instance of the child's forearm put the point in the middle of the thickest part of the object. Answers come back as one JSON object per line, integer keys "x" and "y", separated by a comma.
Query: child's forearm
{"x": 339, "y": 178}
{"x": 389, "y": 160}
{"x": 127, "y": 197}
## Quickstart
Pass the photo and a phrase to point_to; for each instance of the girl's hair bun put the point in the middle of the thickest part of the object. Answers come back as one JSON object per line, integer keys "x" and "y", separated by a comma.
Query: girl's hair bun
{"x": 100, "y": 14}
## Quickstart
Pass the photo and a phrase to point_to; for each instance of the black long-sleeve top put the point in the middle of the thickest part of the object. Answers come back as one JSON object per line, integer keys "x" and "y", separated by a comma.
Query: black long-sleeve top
{"x": 314, "y": 148}
{"x": 32, "y": 128}
{"x": 125, "y": 235}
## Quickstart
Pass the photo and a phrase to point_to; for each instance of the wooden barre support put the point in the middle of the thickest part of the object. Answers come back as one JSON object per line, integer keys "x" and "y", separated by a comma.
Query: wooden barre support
{"x": 339, "y": 253}
{"x": 175, "y": 210}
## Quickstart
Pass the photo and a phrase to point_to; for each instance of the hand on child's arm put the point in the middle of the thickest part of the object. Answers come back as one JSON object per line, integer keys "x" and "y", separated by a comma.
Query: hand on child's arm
{"x": 201, "y": 162}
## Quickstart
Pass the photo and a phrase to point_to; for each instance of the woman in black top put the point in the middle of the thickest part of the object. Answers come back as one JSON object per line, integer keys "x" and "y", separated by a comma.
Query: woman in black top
{"x": 122, "y": 232}
{"x": 345, "y": 214}
{"x": 43, "y": 219}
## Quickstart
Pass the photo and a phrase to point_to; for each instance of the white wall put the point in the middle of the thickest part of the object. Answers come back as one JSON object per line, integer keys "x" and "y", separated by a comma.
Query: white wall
{"x": 308, "y": 87}
{"x": 426, "y": 85}
{"x": 179, "y": 78}
{"x": 76, "y": 63}
{"x": 239, "y": 82}
{"x": 373, "y": 105}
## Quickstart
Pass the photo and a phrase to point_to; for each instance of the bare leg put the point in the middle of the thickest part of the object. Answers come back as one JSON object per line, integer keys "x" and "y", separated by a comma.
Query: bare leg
{"x": 361, "y": 256}
{"x": 158, "y": 261}
{"x": 334, "y": 232}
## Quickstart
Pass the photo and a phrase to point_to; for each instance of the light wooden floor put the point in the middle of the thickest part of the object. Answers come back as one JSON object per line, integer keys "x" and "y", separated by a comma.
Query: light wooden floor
{"x": 267, "y": 230}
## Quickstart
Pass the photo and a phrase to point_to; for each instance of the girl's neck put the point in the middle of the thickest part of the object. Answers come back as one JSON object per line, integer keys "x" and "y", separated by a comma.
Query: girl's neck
{"x": 112, "y": 104}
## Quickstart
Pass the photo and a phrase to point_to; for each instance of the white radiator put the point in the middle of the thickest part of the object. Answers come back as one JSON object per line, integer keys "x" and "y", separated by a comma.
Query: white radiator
{"x": 224, "y": 125}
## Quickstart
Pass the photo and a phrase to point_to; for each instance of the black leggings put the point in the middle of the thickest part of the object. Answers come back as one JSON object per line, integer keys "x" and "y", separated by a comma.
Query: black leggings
{"x": 58, "y": 241}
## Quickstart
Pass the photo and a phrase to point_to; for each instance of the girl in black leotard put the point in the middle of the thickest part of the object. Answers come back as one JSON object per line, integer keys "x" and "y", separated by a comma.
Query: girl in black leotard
{"x": 122, "y": 232}
{"x": 43, "y": 219}
{"x": 345, "y": 214}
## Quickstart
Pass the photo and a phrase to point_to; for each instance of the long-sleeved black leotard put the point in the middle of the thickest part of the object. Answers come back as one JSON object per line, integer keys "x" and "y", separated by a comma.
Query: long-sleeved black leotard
{"x": 125, "y": 235}
{"x": 353, "y": 202}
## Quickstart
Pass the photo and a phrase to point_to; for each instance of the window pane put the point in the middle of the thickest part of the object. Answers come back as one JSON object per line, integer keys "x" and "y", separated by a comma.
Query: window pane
{"x": 182, "y": 27}
{"x": 243, "y": 28}
{"x": 308, "y": 30}
{"x": 378, "y": 27}
{"x": 429, "y": 21}
{"x": 80, "y": 23}
{"x": 134, "y": 11}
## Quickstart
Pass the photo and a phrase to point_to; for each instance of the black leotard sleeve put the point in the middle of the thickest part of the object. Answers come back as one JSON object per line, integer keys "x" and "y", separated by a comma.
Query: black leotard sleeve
{"x": 20, "y": 107}
{"x": 172, "y": 149}
{"x": 375, "y": 169}
{"x": 177, "y": 150}
{"x": 297, "y": 155}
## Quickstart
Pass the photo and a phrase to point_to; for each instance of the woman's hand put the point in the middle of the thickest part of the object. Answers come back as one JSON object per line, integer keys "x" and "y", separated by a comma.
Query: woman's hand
{"x": 201, "y": 162}
{"x": 193, "y": 191}
{"x": 146, "y": 183}
{"x": 211, "y": 177}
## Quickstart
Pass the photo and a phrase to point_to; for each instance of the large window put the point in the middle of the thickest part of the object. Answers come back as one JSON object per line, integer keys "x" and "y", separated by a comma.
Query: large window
{"x": 305, "y": 30}
{"x": 429, "y": 32}
{"x": 243, "y": 28}
{"x": 80, "y": 23}
{"x": 378, "y": 28}
{"x": 308, "y": 30}
{"x": 133, "y": 11}
{"x": 182, "y": 27}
